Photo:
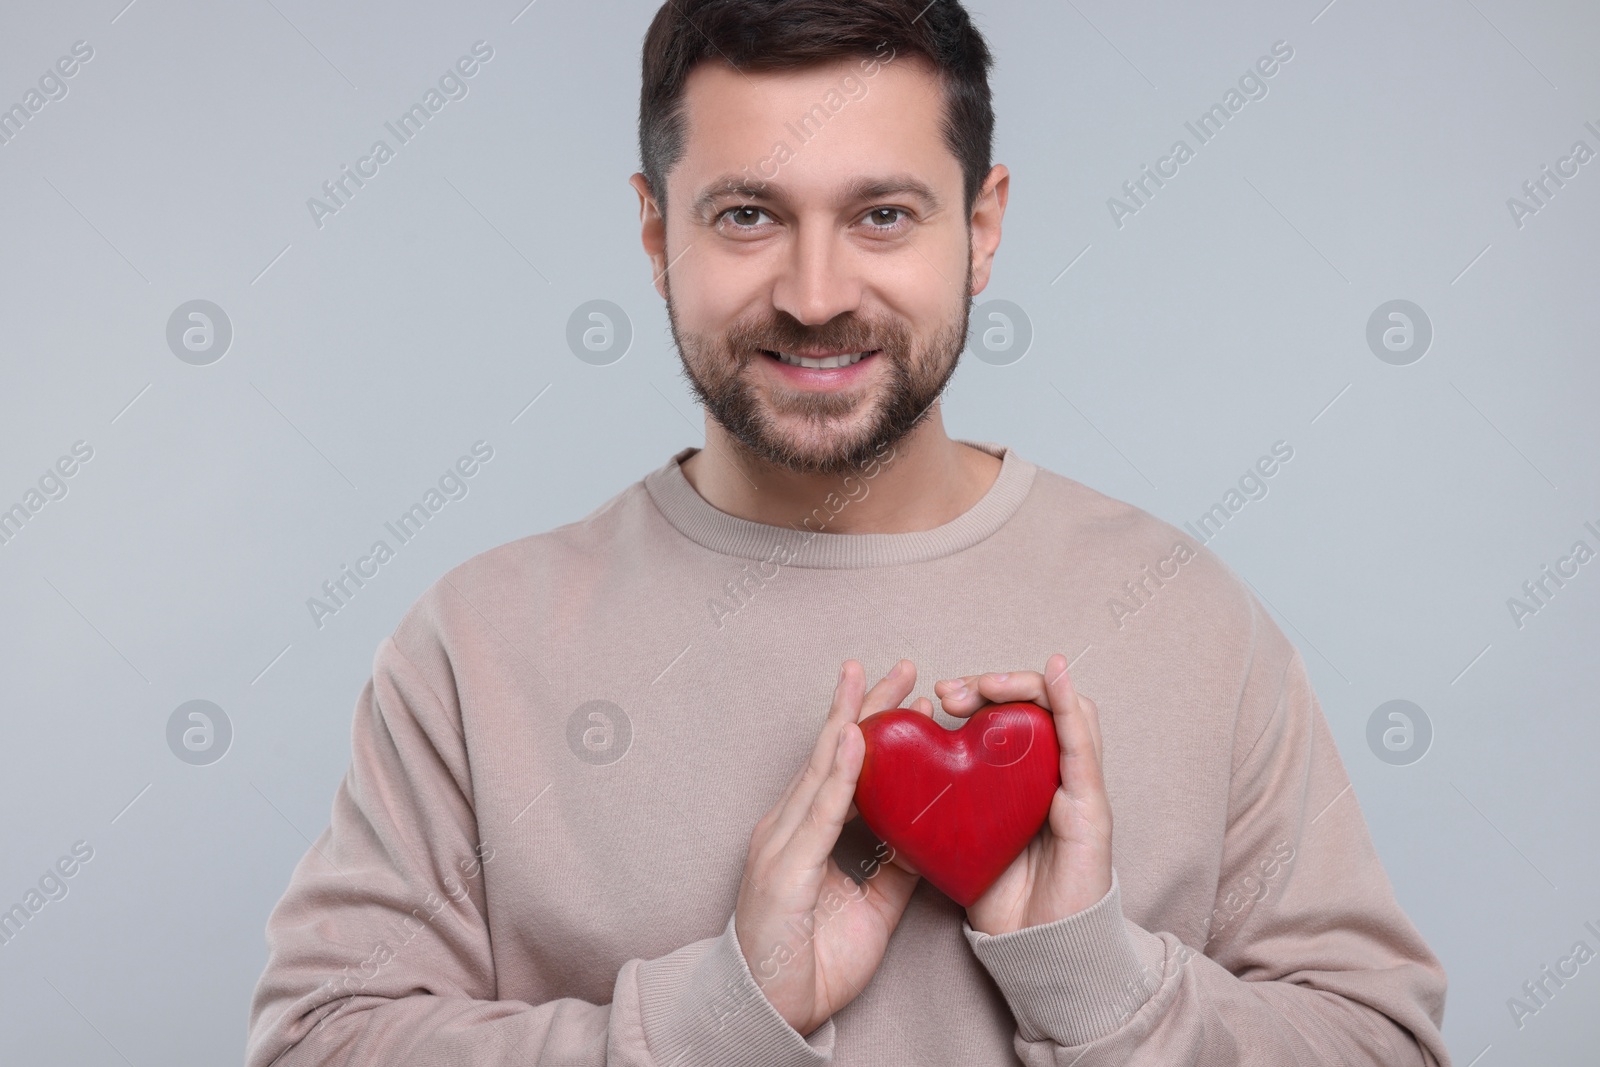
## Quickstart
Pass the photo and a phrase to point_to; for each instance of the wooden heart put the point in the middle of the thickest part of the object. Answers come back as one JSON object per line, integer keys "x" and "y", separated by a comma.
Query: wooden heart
{"x": 959, "y": 804}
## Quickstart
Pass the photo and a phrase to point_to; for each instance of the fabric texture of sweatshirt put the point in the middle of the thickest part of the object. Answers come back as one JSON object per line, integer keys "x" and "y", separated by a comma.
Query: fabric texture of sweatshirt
{"x": 567, "y": 740}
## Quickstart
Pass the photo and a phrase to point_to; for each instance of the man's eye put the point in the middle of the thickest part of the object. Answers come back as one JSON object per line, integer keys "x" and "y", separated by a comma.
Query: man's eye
{"x": 744, "y": 217}
{"x": 893, "y": 216}
{"x": 748, "y": 217}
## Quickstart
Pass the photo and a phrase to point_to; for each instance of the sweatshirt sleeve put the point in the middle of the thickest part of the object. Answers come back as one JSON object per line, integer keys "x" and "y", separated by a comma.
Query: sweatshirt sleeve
{"x": 1309, "y": 961}
{"x": 379, "y": 950}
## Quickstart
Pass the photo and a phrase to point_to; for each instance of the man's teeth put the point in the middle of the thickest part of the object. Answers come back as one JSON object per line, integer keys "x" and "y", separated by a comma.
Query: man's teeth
{"x": 821, "y": 364}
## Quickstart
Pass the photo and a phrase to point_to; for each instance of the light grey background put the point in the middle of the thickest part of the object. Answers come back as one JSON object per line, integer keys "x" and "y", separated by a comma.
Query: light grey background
{"x": 368, "y": 354}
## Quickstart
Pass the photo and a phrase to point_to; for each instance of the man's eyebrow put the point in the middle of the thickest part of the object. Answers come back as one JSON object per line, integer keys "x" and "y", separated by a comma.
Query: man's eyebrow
{"x": 737, "y": 187}
{"x": 895, "y": 185}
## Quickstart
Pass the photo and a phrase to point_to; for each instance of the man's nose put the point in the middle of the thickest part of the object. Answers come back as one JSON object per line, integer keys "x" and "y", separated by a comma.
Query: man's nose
{"x": 818, "y": 279}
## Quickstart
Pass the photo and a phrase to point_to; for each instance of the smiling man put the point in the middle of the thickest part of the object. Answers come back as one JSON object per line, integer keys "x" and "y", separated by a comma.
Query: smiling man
{"x": 600, "y": 802}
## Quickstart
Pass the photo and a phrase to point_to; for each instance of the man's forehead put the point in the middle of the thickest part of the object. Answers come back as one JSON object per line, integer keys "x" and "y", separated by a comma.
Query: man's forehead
{"x": 857, "y": 122}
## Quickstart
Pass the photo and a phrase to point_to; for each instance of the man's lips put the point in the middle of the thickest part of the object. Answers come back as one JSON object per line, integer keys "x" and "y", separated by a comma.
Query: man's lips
{"x": 840, "y": 373}
{"x": 820, "y": 359}
{"x": 819, "y": 353}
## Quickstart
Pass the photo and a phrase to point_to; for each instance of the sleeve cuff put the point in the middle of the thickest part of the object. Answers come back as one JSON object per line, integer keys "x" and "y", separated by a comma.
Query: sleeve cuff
{"x": 708, "y": 1009}
{"x": 1077, "y": 979}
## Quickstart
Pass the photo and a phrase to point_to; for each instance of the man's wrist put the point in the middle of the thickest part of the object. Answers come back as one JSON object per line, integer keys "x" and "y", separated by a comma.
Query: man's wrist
{"x": 1078, "y": 978}
{"x": 712, "y": 1011}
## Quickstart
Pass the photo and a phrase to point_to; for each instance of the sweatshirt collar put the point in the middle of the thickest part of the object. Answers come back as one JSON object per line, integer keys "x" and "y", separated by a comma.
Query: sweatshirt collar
{"x": 808, "y": 544}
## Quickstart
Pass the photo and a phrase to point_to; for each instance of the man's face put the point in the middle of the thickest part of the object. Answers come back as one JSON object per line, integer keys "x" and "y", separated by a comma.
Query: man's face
{"x": 817, "y": 213}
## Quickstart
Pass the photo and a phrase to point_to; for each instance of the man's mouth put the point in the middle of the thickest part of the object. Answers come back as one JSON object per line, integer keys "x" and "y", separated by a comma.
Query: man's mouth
{"x": 819, "y": 360}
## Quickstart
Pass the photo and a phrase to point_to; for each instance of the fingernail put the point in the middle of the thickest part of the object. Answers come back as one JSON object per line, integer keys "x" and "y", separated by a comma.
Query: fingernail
{"x": 1002, "y": 677}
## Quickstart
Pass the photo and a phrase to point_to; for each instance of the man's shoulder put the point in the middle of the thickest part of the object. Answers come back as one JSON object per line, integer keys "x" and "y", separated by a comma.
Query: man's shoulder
{"x": 502, "y": 582}
{"x": 1135, "y": 558}
{"x": 1102, "y": 529}
{"x": 602, "y": 529}
{"x": 1088, "y": 511}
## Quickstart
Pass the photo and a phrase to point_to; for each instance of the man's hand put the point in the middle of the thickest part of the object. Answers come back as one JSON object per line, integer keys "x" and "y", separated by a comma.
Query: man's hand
{"x": 812, "y": 937}
{"x": 1067, "y": 866}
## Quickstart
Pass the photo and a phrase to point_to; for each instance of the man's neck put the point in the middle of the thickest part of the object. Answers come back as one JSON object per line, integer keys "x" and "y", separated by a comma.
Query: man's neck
{"x": 925, "y": 481}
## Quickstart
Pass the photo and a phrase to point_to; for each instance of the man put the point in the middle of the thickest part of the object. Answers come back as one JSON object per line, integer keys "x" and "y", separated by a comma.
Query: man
{"x": 599, "y": 807}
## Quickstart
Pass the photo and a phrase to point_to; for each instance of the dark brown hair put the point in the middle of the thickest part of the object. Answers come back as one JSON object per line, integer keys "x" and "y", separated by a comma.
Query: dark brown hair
{"x": 761, "y": 35}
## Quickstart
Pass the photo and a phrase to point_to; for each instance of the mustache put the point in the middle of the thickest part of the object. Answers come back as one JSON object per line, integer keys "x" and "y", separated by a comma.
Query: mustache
{"x": 785, "y": 333}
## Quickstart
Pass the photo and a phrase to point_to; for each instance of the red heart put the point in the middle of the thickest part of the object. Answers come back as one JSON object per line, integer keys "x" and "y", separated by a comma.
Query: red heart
{"x": 959, "y": 804}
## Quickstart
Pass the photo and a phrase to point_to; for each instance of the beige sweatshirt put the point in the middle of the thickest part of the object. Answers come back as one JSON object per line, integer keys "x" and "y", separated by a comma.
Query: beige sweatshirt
{"x": 565, "y": 744}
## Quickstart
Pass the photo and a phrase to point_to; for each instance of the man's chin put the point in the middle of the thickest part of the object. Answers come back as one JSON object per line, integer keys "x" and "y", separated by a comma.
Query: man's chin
{"x": 836, "y": 446}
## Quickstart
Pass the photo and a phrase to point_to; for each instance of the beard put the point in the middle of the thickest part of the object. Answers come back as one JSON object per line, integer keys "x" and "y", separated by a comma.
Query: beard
{"x": 830, "y": 441}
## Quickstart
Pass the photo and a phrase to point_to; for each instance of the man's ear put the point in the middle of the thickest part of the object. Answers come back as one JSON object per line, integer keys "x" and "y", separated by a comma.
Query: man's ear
{"x": 652, "y": 232}
{"x": 987, "y": 212}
